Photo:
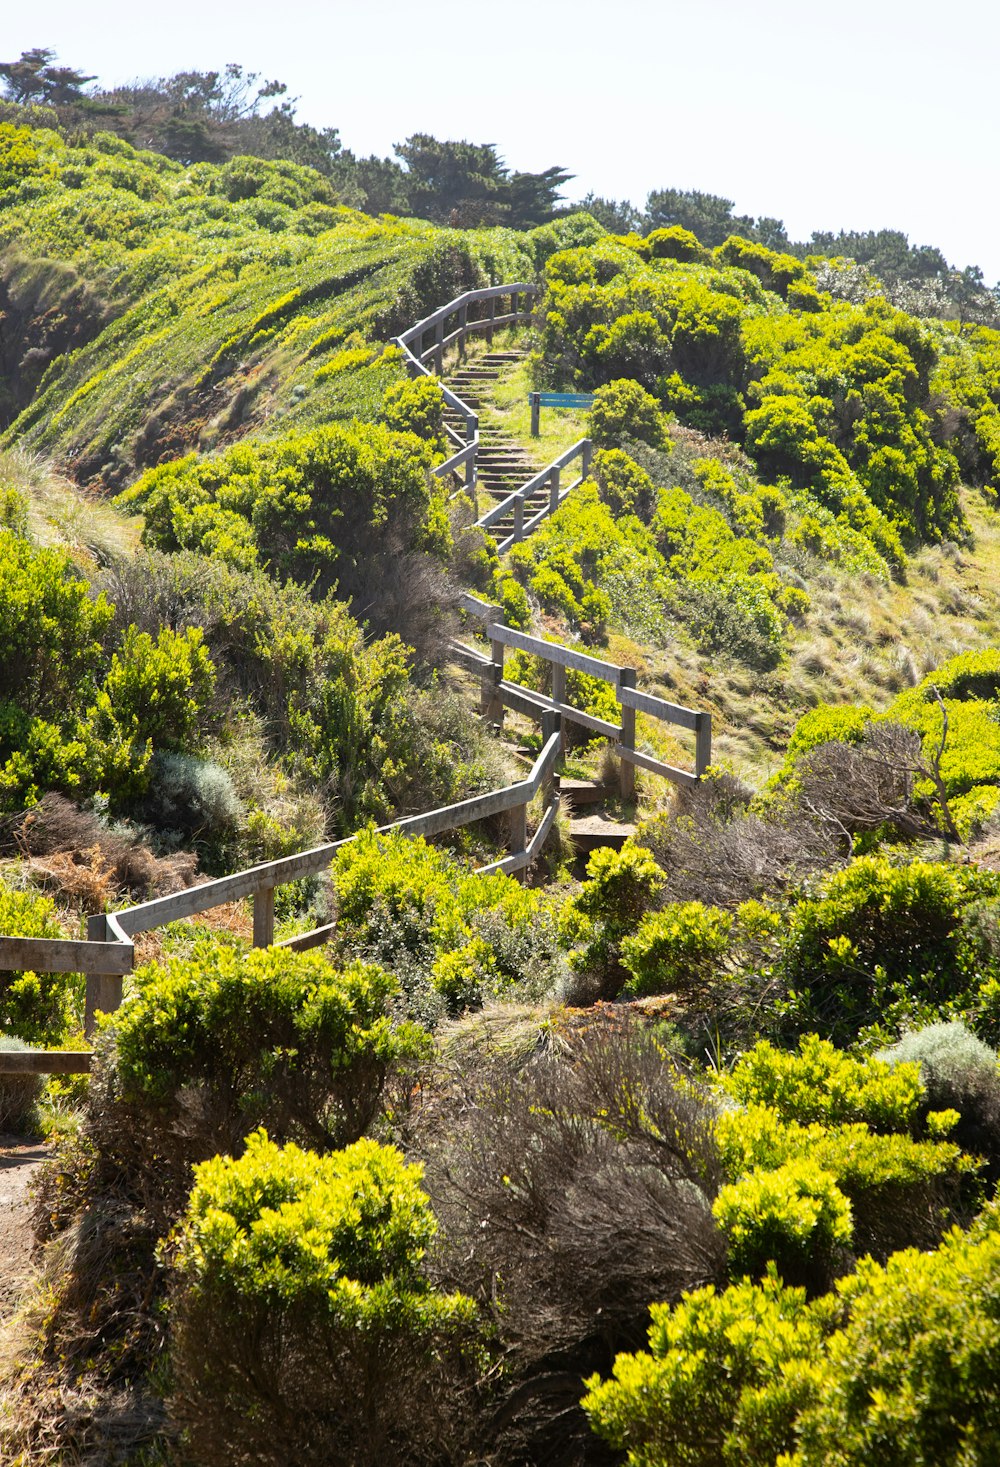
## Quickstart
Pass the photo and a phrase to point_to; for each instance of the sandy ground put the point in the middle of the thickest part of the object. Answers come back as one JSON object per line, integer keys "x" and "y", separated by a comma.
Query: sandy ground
{"x": 19, "y": 1163}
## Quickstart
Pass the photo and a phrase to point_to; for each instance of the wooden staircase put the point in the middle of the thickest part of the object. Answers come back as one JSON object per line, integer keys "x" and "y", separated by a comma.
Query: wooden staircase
{"x": 503, "y": 465}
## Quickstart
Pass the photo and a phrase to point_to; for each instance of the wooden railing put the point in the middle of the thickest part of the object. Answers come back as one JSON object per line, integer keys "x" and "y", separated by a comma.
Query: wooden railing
{"x": 498, "y": 694}
{"x": 108, "y": 953}
{"x": 449, "y": 326}
{"x": 550, "y": 478}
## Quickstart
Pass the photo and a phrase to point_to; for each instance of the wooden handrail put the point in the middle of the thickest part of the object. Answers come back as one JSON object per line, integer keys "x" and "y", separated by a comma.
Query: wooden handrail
{"x": 498, "y": 693}
{"x": 415, "y": 360}
{"x": 517, "y": 500}
{"x": 108, "y": 952}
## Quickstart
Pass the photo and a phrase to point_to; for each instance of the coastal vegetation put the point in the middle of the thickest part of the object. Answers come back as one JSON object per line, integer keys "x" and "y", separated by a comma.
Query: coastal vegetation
{"x": 680, "y": 1157}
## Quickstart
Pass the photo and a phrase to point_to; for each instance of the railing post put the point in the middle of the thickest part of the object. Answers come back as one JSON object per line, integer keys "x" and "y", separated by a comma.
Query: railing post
{"x": 490, "y": 316}
{"x": 439, "y": 348}
{"x": 559, "y": 696}
{"x": 519, "y": 835}
{"x": 471, "y": 466}
{"x": 518, "y": 518}
{"x": 586, "y": 455}
{"x": 626, "y": 772}
{"x": 703, "y": 744}
{"x": 263, "y": 916}
{"x": 554, "y": 477}
{"x": 492, "y": 678}
{"x": 535, "y": 398}
{"x": 463, "y": 322}
{"x": 104, "y": 990}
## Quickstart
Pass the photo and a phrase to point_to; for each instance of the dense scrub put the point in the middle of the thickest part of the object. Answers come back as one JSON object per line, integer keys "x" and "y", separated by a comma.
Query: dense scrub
{"x": 184, "y": 305}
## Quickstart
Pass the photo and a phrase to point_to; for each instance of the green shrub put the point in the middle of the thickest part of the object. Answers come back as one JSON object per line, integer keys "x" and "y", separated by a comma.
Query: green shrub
{"x": 624, "y": 487}
{"x": 304, "y": 1327}
{"x": 306, "y": 505}
{"x": 619, "y": 889}
{"x": 416, "y": 407}
{"x": 912, "y": 1375}
{"x": 722, "y": 1382}
{"x": 674, "y": 243}
{"x": 623, "y": 410}
{"x": 793, "y": 1217}
{"x": 676, "y": 949}
{"x": 446, "y": 931}
{"x": 210, "y": 1046}
{"x": 822, "y": 1083}
{"x": 157, "y": 690}
{"x": 631, "y": 347}
{"x": 878, "y": 940}
{"x": 50, "y": 629}
{"x": 40, "y": 1008}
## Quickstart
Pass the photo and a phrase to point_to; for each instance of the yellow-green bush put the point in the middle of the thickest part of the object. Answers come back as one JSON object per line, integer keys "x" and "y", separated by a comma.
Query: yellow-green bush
{"x": 303, "y": 1323}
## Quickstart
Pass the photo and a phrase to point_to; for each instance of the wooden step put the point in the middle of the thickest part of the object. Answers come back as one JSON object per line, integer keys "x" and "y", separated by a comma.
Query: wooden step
{"x": 591, "y": 832}
{"x": 582, "y": 792}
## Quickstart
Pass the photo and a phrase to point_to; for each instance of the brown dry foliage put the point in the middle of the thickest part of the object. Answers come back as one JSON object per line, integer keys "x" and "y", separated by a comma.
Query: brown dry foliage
{"x": 69, "y": 851}
{"x": 289, "y": 1389}
{"x": 571, "y": 1192}
{"x": 715, "y": 849}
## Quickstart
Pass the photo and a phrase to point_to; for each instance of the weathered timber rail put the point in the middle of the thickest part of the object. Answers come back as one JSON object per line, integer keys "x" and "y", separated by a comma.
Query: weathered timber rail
{"x": 108, "y": 952}
{"x": 498, "y": 694}
{"x": 516, "y": 503}
{"x": 449, "y": 326}
{"x": 473, "y": 312}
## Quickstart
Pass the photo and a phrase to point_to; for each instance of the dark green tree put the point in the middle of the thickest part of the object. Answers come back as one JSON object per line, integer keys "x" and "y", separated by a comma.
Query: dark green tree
{"x": 708, "y": 216}
{"x": 35, "y": 79}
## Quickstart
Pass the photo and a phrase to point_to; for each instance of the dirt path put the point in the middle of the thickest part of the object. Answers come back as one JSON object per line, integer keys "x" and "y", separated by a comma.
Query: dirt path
{"x": 19, "y": 1163}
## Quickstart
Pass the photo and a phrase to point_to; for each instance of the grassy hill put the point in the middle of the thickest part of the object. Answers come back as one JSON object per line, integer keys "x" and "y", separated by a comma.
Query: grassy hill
{"x": 731, "y": 1074}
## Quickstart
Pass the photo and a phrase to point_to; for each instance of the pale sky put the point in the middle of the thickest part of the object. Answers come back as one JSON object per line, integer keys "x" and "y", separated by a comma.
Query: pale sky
{"x": 861, "y": 114}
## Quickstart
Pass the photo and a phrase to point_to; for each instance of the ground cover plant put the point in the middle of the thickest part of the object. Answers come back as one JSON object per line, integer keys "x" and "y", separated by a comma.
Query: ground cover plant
{"x": 741, "y": 1080}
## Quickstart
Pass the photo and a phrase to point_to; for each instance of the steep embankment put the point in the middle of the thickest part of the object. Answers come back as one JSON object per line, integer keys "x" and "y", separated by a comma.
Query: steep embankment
{"x": 152, "y": 309}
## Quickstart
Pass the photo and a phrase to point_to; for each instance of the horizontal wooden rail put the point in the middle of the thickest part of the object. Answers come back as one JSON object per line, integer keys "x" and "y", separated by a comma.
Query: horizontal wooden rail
{"x": 108, "y": 953}
{"x": 498, "y": 693}
{"x": 62, "y": 955}
{"x": 416, "y": 356}
{"x": 608, "y": 672}
{"x": 45, "y": 1061}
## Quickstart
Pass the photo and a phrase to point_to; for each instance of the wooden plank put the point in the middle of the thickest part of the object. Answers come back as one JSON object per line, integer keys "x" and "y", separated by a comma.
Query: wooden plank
{"x": 58, "y": 955}
{"x": 544, "y": 826}
{"x": 477, "y": 607}
{"x": 660, "y": 708}
{"x": 468, "y": 657}
{"x": 656, "y": 766}
{"x": 315, "y": 937}
{"x": 450, "y": 817}
{"x": 509, "y": 864}
{"x": 608, "y": 672}
{"x": 545, "y": 763}
{"x": 524, "y": 701}
{"x": 208, "y": 894}
{"x": 45, "y": 1062}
